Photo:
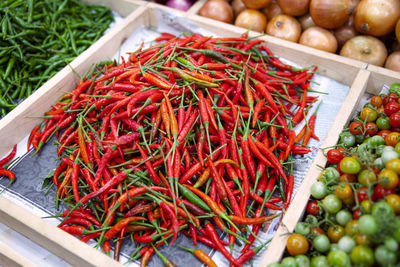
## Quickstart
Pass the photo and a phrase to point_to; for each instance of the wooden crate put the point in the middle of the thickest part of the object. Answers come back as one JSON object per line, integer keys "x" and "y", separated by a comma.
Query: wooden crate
{"x": 16, "y": 125}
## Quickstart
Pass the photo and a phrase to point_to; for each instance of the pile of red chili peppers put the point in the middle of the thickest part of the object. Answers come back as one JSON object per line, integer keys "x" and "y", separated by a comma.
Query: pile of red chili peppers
{"x": 188, "y": 135}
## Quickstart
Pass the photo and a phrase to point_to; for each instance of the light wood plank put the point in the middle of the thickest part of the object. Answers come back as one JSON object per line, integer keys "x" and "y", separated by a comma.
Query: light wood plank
{"x": 11, "y": 258}
{"x": 296, "y": 209}
{"x": 50, "y": 237}
{"x": 122, "y": 7}
{"x": 380, "y": 77}
{"x": 195, "y": 8}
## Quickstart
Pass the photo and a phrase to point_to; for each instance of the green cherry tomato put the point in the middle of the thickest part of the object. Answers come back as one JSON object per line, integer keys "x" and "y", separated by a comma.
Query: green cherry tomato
{"x": 347, "y": 139}
{"x": 384, "y": 256}
{"x": 332, "y": 203}
{"x": 368, "y": 114}
{"x": 338, "y": 258}
{"x": 319, "y": 261}
{"x": 321, "y": 243}
{"x": 319, "y": 190}
{"x": 350, "y": 165}
{"x": 389, "y": 155}
{"x": 366, "y": 177}
{"x": 275, "y": 264}
{"x": 367, "y": 224}
{"x": 376, "y": 140}
{"x": 382, "y": 209}
{"x": 302, "y": 228}
{"x": 329, "y": 175}
{"x": 362, "y": 255}
{"x": 288, "y": 262}
{"x": 383, "y": 123}
{"x": 359, "y": 138}
{"x": 391, "y": 244}
{"x": 334, "y": 247}
{"x": 346, "y": 243}
{"x": 397, "y": 148}
{"x": 343, "y": 217}
{"x": 302, "y": 260}
{"x": 396, "y": 233}
{"x": 378, "y": 163}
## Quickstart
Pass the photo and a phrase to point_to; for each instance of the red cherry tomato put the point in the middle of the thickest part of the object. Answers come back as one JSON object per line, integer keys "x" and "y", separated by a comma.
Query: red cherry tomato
{"x": 362, "y": 194}
{"x": 395, "y": 120}
{"x": 392, "y": 107}
{"x": 371, "y": 128}
{"x": 357, "y": 214}
{"x": 383, "y": 133}
{"x": 380, "y": 192}
{"x": 334, "y": 156}
{"x": 356, "y": 127}
{"x": 313, "y": 208}
{"x": 392, "y": 97}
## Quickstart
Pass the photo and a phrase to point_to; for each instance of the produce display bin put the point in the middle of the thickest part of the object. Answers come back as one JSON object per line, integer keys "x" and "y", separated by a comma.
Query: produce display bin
{"x": 17, "y": 124}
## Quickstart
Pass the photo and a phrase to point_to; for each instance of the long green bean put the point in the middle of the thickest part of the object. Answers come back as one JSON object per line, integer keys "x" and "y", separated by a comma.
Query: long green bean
{"x": 38, "y": 38}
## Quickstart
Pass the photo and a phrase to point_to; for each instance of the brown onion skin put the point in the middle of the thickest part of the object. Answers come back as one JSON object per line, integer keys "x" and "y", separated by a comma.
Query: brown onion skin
{"x": 218, "y": 10}
{"x": 393, "y": 61}
{"x": 346, "y": 32}
{"x": 256, "y": 4}
{"x": 238, "y": 6}
{"x": 273, "y": 11}
{"x": 294, "y": 7}
{"x": 306, "y": 22}
{"x": 319, "y": 38}
{"x": 251, "y": 19}
{"x": 330, "y": 14}
{"x": 284, "y": 27}
{"x": 376, "y": 17}
{"x": 398, "y": 30}
{"x": 365, "y": 48}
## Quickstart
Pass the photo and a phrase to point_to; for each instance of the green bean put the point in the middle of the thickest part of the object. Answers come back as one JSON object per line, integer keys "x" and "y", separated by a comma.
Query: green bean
{"x": 40, "y": 37}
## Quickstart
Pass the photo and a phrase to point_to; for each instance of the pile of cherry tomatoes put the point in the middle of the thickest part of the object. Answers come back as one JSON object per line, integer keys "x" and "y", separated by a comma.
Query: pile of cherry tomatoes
{"x": 353, "y": 217}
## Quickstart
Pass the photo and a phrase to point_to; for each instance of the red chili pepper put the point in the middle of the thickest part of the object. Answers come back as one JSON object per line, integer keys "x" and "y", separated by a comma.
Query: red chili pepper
{"x": 214, "y": 237}
{"x": 9, "y": 174}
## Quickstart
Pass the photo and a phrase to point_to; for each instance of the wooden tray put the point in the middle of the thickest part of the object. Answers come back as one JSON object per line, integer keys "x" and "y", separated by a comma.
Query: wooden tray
{"x": 16, "y": 125}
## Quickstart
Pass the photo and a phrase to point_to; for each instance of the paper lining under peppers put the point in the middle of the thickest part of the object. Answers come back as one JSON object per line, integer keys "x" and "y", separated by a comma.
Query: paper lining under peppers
{"x": 188, "y": 135}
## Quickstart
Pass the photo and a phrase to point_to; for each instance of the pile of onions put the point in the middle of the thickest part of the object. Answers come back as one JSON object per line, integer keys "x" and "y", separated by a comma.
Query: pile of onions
{"x": 251, "y": 19}
{"x": 330, "y": 14}
{"x": 294, "y": 7}
{"x": 365, "y": 48}
{"x": 319, "y": 38}
{"x": 393, "y": 61}
{"x": 347, "y": 27}
{"x": 377, "y": 17}
{"x": 284, "y": 27}
{"x": 218, "y": 10}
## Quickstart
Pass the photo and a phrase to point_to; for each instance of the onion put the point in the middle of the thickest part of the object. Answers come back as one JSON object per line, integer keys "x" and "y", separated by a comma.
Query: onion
{"x": 395, "y": 46}
{"x": 294, "y": 7}
{"x": 398, "y": 30}
{"x": 365, "y": 48}
{"x": 345, "y": 32}
{"x": 377, "y": 17}
{"x": 284, "y": 27}
{"x": 256, "y": 4}
{"x": 179, "y": 4}
{"x": 319, "y": 38}
{"x": 330, "y": 14}
{"x": 218, "y": 10}
{"x": 251, "y": 19}
{"x": 273, "y": 11}
{"x": 354, "y": 4}
{"x": 393, "y": 61}
{"x": 238, "y": 6}
{"x": 306, "y": 22}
